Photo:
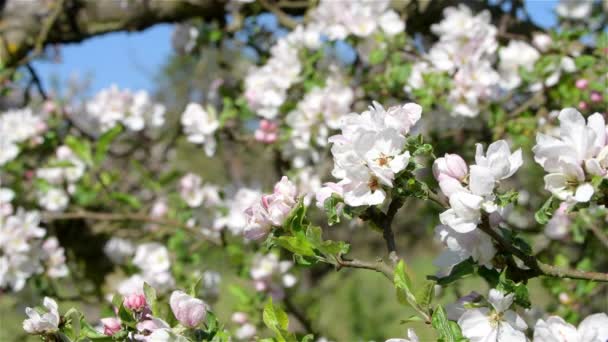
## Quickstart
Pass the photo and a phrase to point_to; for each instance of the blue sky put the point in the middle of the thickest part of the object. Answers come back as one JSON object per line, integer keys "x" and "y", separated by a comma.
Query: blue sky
{"x": 131, "y": 59}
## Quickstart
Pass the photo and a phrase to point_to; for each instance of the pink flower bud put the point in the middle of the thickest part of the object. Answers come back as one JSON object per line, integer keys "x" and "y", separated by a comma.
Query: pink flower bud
{"x": 111, "y": 325}
{"x": 135, "y": 302}
{"x": 582, "y": 105}
{"x": 596, "y": 96}
{"x": 581, "y": 83}
{"x": 189, "y": 311}
{"x": 267, "y": 132}
{"x": 451, "y": 165}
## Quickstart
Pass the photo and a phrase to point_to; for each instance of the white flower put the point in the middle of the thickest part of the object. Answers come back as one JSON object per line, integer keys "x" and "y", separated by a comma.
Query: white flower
{"x": 542, "y": 41}
{"x": 189, "y": 311}
{"x": 245, "y": 332}
{"x": 498, "y": 162}
{"x": 272, "y": 210}
{"x": 559, "y": 225}
{"x": 152, "y": 258}
{"x": 54, "y": 257}
{"x": 451, "y": 165}
{"x": 577, "y": 151}
{"x": 465, "y": 212}
{"x": 411, "y": 337}
{"x": 16, "y": 126}
{"x": 54, "y": 199}
{"x": 574, "y": 9}
{"x": 112, "y": 106}
{"x": 236, "y": 218}
{"x": 461, "y": 246}
{"x": 200, "y": 125}
{"x": 391, "y": 24}
{"x": 515, "y": 55}
{"x": 45, "y": 323}
{"x": 497, "y": 324}
{"x": 593, "y": 328}
{"x": 119, "y": 250}
{"x": 370, "y": 151}
{"x": 191, "y": 190}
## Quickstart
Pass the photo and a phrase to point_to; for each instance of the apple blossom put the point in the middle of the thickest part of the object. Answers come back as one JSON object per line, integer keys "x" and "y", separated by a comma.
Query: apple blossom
{"x": 54, "y": 257}
{"x": 271, "y": 210}
{"x": 267, "y": 132}
{"x": 411, "y": 337}
{"x": 45, "y": 323}
{"x": 54, "y": 199}
{"x": 496, "y": 324}
{"x": 517, "y": 54}
{"x": 111, "y": 325}
{"x": 135, "y": 301}
{"x": 594, "y": 328}
{"x": 199, "y": 125}
{"x": 574, "y": 9}
{"x": 572, "y": 157}
{"x": 451, "y": 165}
{"x": 189, "y": 311}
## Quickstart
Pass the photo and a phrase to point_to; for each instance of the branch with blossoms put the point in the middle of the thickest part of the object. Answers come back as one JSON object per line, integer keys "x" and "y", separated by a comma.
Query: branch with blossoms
{"x": 156, "y": 226}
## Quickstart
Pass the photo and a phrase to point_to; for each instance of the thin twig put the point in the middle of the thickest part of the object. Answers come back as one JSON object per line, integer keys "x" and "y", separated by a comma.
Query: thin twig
{"x": 378, "y": 266}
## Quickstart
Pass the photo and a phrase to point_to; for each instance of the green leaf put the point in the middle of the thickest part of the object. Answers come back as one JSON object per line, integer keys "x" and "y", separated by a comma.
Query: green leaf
{"x": 81, "y": 148}
{"x": 277, "y": 321}
{"x": 403, "y": 285}
{"x": 128, "y": 199}
{"x": 424, "y": 296}
{"x": 327, "y": 247}
{"x": 296, "y": 244}
{"x": 461, "y": 270}
{"x": 520, "y": 290}
{"x": 150, "y": 294}
{"x": 377, "y": 56}
{"x": 544, "y": 214}
{"x": 331, "y": 209}
{"x": 296, "y": 221}
{"x": 448, "y": 331}
{"x": 104, "y": 142}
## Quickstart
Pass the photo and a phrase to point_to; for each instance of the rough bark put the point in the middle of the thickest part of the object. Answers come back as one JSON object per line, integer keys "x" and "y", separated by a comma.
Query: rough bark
{"x": 27, "y": 26}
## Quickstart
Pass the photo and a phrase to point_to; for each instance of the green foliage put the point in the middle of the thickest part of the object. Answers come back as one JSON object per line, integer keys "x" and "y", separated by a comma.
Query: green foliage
{"x": 276, "y": 320}
{"x": 520, "y": 290}
{"x": 448, "y": 331}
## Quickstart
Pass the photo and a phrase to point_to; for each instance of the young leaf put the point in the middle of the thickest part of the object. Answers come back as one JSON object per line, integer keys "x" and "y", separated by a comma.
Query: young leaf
{"x": 150, "y": 294}
{"x": 403, "y": 285}
{"x": 448, "y": 331}
{"x": 104, "y": 142}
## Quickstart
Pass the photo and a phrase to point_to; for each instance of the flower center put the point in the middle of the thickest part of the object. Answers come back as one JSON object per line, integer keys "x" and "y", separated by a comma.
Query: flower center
{"x": 383, "y": 159}
{"x": 373, "y": 183}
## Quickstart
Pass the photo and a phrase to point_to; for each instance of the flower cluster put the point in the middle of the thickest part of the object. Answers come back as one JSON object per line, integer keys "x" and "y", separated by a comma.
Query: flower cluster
{"x": 235, "y": 218}
{"x": 266, "y": 86}
{"x": 271, "y": 275}
{"x": 271, "y": 210}
{"x": 135, "y": 111}
{"x": 70, "y": 170}
{"x": 22, "y": 250}
{"x": 361, "y": 18}
{"x": 18, "y": 126}
{"x": 195, "y": 194}
{"x": 320, "y": 111}
{"x": 199, "y": 125}
{"x": 154, "y": 262}
{"x": 370, "y": 152}
{"x": 469, "y": 192}
{"x": 246, "y": 330}
{"x": 579, "y": 153}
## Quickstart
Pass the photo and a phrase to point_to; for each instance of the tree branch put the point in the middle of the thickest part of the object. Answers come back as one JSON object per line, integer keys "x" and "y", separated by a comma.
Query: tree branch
{"x": 378, "y": 266}
{"x": 536, "y": 267}
{"x": 87, "y": 215}
{"x": 72, "y": 21}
